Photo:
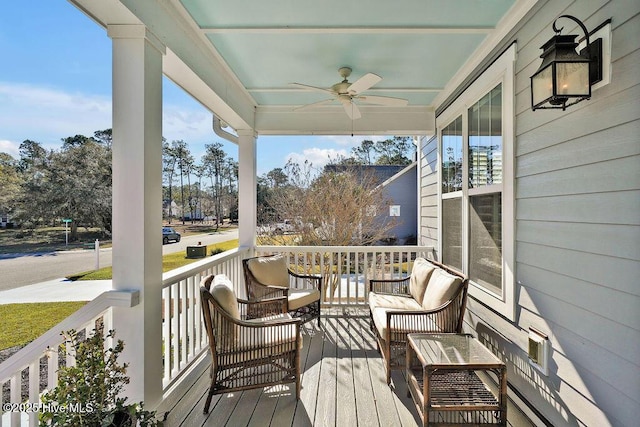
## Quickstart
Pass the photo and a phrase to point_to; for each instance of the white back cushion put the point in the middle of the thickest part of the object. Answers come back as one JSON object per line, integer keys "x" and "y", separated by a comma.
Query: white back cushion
{"x": 420, "y": 274}
{"x": 222, "y": 292}
{"x": 440, "y": 289}
{"x": 270, "y": 270}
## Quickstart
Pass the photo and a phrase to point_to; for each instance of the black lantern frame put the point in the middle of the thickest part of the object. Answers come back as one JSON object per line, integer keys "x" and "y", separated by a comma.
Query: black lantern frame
{"x": 565, "y": 76}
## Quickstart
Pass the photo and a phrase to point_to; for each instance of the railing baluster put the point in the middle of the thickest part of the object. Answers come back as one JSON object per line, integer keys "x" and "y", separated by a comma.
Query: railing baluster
{"x": 14, "y": 396}
{"x": 183, "y": 322}
{"x": 166, "y": 332}
{"x": 34, "y": 390}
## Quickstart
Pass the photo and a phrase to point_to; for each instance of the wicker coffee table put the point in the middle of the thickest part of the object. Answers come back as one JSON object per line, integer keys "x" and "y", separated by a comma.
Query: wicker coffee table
{"x": 443, "y": 382}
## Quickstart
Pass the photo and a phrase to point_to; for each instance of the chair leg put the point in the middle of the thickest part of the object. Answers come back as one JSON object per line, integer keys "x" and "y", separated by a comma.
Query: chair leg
{"x": 208, "y": 402}
{"x": 298, "y": 372}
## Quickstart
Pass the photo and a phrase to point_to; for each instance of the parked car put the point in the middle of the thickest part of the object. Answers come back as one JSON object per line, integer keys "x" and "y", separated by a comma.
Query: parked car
{"x": 169, "y": 234}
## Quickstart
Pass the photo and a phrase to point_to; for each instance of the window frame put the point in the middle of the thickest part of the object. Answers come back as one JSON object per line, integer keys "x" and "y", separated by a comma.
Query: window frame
{"x": 501, "y": 71}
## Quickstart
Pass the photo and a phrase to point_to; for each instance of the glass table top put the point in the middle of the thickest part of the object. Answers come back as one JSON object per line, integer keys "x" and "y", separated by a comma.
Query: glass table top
{"x": 452, "y": 350}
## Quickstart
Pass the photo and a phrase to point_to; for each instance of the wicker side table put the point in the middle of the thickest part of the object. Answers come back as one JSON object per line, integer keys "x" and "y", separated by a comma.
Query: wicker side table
{"x": 442, "y": 380}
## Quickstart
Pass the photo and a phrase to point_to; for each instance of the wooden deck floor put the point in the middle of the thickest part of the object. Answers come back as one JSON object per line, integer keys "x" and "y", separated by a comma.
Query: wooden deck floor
{"x": 343, "y": 384}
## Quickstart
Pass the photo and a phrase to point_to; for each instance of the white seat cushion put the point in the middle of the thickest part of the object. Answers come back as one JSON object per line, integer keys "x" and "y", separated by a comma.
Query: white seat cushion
{"x": 420, "y": 274}
{"x": 270, "y": 270}
{"x": 267, "y": 336}
{"x": 397, "y": 302}
{"x": 301, "y": 297}
{"x": 441, "y": 288}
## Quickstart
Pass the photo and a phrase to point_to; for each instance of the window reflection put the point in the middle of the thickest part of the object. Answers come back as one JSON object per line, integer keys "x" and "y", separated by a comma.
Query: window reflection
{"x": 452, "y": 157}
{"x": 485, "y": 140}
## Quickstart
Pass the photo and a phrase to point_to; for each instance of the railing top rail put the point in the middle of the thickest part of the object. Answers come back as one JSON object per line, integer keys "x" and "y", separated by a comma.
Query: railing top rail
{"x": 361, "y": 249}
{"x": 51, "y": 338}
{"x": 190, "y": 270}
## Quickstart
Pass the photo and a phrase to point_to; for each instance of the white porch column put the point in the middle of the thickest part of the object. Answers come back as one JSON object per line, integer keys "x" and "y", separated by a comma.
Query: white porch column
{"x": 247, "y": 188}
{"x": 137, "y": 204}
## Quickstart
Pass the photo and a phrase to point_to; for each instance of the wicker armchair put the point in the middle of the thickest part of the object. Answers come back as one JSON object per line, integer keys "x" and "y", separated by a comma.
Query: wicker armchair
{"x": 399, "y": 307}
{"x": 250, "y": 353}
{"x": 270, "y": 276}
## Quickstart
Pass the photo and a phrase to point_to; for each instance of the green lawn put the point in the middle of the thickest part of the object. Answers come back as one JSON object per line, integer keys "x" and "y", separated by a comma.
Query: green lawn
{"x": 22, "y": 323}
{"x": 169, "y": 262}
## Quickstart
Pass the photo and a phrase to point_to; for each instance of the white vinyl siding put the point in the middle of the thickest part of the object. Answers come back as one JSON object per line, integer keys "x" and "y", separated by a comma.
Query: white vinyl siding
{"x": 577, "y": 231}
{"x": 476, "y": 158}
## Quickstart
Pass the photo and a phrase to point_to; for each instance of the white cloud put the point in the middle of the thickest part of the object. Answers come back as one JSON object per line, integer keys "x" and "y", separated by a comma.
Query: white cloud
{"x": 186, "y": 124}
{"x": 318, "y": 157}
{"x": 47, "y": 115}
{"x": 354, "y": 141}
{"x": 10, "y": 147}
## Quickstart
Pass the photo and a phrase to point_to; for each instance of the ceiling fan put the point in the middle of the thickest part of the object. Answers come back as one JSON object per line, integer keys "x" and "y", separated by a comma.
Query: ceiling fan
{"x": 347, "y": 92}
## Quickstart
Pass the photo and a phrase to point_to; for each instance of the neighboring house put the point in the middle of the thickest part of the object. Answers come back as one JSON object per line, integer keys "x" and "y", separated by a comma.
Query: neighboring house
{"x": 399, "y": 183}
{"x": 402, "y": 190}
{"x": 5, "y": 220}
{"x": 171, "y": 209}
{"x": 379, "y": 173}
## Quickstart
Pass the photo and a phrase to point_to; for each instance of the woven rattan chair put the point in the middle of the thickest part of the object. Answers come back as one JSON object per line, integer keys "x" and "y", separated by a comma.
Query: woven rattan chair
{"x": 270, "y": 276}
{"x": 445, "y": 318}
{"x": 252, "y": 353}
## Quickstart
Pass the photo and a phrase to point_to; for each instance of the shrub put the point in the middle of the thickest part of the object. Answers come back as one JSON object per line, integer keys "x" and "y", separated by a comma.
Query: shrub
{"x": 88, "y": 394}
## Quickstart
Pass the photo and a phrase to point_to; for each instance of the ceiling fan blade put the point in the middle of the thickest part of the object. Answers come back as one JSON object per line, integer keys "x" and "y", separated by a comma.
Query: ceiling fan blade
{"x": 351, "y": 109}
{"x": 383, "y": 100}
{"x": 364, "y": 83}
{"x": 314, "y": 104}
{"x": 302, "y": 86}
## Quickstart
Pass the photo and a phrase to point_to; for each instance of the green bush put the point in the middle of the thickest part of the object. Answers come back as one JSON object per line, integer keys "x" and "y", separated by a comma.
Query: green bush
{"x": 88, "y": 392}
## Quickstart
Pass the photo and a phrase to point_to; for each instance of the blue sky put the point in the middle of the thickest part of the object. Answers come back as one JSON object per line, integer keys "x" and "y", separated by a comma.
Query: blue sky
{"x": 55, "y": 82}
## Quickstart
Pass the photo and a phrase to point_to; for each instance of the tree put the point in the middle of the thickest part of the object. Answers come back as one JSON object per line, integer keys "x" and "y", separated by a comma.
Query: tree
{"x": 11, "y": 179}
{"x": 394, "y": 151}
{"x": 74, "y": 182}
{"x": 31, "y": 154}
{"x": 213, "y": 163}
{"x": 364, "y": 152}
{"x": 277, "y": 178}
{"x": 184, "y": 161}
{"x": 168, "y": 171}
{"x": 332, "y": 208}
{"x": 105, "y": 137}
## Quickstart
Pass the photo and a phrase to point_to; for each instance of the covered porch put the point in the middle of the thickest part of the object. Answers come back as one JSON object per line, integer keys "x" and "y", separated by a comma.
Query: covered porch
{"x": 343, "y": 374}
{"x": 561, "y": 198}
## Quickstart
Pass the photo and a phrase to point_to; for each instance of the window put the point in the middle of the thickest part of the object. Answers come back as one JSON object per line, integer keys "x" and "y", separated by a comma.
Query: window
{"x": 476, "y": 203}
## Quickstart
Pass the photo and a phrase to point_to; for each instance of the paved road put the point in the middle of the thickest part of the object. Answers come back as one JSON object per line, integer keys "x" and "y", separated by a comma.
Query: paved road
{"x": 27, "y": 269}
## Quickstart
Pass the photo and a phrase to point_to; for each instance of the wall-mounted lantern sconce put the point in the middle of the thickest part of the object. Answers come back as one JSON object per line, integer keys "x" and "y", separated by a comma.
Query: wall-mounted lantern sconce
{"x": 565, "y": 76}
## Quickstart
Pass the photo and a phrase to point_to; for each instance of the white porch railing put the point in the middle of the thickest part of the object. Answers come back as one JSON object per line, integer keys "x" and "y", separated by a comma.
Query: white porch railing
{"x": 183, "y": 335}
{"x": 37, "y": 364}
{"x": 345, "y": 270}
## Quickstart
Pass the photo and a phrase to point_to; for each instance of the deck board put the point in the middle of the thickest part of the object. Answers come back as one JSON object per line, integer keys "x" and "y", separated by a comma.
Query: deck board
{"x": 343, "y": 384}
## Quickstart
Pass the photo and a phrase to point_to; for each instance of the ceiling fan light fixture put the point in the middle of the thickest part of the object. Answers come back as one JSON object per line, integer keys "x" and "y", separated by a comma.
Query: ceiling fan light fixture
{"x": 347, "y": 92}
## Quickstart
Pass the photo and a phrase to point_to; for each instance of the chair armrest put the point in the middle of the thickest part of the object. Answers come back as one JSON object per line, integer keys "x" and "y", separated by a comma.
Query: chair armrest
{"x": 262, "y": 308}
{"x": 311, "y": 281}
{"x": 444, "y": 319}
{"x": 390, "y": 286}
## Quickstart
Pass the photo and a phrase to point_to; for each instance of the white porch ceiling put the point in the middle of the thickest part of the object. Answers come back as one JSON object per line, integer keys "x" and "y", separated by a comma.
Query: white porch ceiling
{"x": 238, "y": 57}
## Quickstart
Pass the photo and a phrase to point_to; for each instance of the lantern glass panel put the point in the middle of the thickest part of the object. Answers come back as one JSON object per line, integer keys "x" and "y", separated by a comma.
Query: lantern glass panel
{"x": 572, "y": 78}
{"x": 542, "y": 86}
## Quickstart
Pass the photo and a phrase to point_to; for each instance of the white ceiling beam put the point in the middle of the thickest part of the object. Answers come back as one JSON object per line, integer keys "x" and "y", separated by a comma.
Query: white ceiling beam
{"x": 379, "y": 90}
{"x": 331, "y": 120}
{"x": 348, "y": 30}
